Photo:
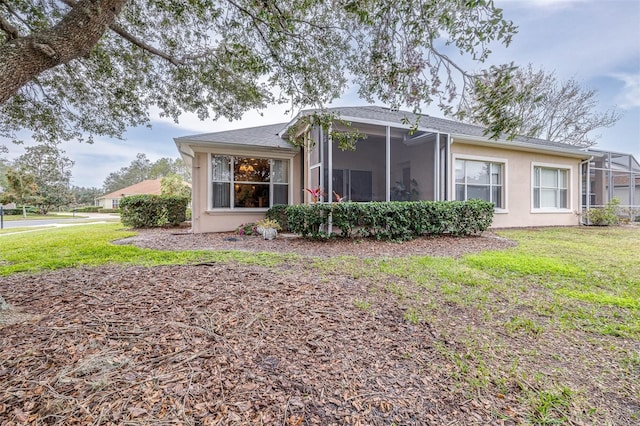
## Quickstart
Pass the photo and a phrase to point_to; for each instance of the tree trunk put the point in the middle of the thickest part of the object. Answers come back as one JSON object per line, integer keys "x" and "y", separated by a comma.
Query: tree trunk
{"x": 24, "y": 212}
{"x": 74, "y": 36}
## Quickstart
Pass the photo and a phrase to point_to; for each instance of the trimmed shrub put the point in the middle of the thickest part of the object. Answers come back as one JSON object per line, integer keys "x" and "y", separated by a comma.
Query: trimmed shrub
{"x": 18, "y": 211}
{"x": 395, "y": 220}
{"x": 89, "y": 209}
{"x": 279, "y": 214}
{"x": 152, "y": 211}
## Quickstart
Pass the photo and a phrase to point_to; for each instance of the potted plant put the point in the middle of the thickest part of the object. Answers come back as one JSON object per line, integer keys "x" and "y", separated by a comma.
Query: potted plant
{"x": 268, "y": 228}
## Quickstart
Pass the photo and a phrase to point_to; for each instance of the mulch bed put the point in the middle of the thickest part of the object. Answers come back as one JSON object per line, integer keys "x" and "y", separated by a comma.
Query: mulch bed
{"x": 171, "y": 239}
{"x": 214, "y": 344}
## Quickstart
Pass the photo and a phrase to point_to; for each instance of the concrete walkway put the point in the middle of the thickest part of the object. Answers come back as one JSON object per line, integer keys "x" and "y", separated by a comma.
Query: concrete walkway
{"x": 53, "y": 222}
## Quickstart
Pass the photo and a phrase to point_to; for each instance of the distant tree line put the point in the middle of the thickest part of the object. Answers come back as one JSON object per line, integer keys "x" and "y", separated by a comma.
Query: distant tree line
{"x": 142, "y": 169}
{"x": 41, "y": 178}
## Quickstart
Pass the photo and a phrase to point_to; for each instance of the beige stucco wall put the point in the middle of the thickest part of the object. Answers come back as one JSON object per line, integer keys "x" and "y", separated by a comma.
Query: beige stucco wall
{"x": 223, "y": 220}
{"x": 518, "y": 210}
{"x": 106, "y": 203}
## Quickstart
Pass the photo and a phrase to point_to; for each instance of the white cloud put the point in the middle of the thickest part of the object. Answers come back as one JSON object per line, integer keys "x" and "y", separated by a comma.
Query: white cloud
{"x": 629, "y": 96}
{"x": 542, "y": 4}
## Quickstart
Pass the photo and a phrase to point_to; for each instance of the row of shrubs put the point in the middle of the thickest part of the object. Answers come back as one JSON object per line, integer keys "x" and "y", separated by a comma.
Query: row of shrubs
{"x": 18, "y": 211}
{"x": 149, "y": 211}
{"x": 394, "y": 220}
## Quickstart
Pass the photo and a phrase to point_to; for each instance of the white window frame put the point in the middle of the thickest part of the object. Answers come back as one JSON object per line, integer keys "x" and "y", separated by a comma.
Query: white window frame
{"x": 232, "y": 156}
{"x": 569, "y": 169}
{"x": 505, "y": 168}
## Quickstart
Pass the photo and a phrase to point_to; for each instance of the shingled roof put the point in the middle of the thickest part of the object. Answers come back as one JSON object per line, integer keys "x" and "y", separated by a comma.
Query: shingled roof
{"x": 274, "y": 135}
{"x": 262, "y": 136}
{"x": 428, "y": 122}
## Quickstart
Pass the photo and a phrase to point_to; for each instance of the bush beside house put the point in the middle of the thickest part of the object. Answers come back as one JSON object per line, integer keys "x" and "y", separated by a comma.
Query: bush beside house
{"x": 394, "y": 220}
{"x": 149, "y": 211}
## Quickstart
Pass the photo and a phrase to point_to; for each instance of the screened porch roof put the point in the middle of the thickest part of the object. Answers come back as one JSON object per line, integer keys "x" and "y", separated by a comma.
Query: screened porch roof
{"x": 369, "y": 118}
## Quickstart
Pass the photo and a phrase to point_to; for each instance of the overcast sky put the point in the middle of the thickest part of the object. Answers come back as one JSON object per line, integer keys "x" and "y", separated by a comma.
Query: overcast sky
{"x": 596, "y": 42}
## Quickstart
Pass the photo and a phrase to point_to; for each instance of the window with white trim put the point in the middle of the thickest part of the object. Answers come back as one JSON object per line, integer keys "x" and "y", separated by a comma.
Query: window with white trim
{"x": 248, "y": 182}
{"x": 550, "y": 188}
{"x": 480, "y": 179}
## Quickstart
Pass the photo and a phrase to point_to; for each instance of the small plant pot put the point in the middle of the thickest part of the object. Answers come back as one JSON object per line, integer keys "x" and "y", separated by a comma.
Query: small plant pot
{"x": 269, "y": 233}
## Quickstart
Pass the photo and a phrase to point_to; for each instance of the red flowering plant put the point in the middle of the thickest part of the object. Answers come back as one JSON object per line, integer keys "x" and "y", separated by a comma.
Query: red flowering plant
{"x": 316, "y": 194}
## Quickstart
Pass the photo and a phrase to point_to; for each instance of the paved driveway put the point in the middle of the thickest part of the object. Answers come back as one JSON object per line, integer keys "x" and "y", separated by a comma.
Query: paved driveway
{"x": 58, "y": 221}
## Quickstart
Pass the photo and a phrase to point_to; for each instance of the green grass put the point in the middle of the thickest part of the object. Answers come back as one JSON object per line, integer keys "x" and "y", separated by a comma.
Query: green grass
{"x": 497, "y": 317}
{"x": 91, "y": 246}
{"x": 24, "y": 229}
{"x": 587, "y": 278}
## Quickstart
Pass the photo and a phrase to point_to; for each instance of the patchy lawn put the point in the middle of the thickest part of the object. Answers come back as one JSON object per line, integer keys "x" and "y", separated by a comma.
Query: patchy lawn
{"x": 547, "y": 332}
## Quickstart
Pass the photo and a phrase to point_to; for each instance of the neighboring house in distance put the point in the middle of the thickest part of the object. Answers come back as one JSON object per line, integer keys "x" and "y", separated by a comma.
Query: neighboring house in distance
{"x": 239, "y": 174}
{"x": 112, "y": 200}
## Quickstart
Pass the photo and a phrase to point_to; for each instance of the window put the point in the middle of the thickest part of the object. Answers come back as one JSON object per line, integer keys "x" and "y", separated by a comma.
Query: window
{"x": 550, "y": 188}
{"x": 480, "y": 179}
{"x": 115, "y": 203}
{"x": 246, "y": 182}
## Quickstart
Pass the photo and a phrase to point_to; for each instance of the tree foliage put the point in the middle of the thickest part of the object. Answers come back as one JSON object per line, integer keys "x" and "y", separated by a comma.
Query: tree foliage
{"x": 141, "y": 169}
{"x": 4, "y": 166}
{"x": 52, "y": 173}
{"x": 75, "y": 68}
{"x": 174, "y": 185}
{"x": 20, "y": 188}
{"x": 535, "y": 104}
{"x": 83, "y": 196}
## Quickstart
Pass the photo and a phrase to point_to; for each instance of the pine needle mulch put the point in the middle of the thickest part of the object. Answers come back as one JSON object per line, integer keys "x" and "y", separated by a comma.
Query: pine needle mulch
{"x": 222, "y": 344}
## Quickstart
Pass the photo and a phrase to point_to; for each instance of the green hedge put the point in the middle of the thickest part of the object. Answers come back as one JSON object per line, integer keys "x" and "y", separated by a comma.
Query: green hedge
{"x": 279, "y": 213}
{"x": 395, "y": 220}
{"x": 18, "y": 211}
{"x": 150, "y": 211}
{"x": 88, "y": 209}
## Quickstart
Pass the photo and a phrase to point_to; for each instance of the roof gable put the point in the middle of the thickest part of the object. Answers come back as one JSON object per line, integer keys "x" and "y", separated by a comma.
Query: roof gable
{"x": 261, "y": 136}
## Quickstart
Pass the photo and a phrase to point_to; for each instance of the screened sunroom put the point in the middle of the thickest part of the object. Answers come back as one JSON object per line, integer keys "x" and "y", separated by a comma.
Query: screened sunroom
{"x": 388, "y": 164}
{"x": 610, "y": 175}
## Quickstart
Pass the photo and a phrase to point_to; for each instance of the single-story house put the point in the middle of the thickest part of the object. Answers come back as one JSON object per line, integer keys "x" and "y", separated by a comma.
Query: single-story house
{"x": 238, "y": 174}
{"x": 146, "y": 187}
